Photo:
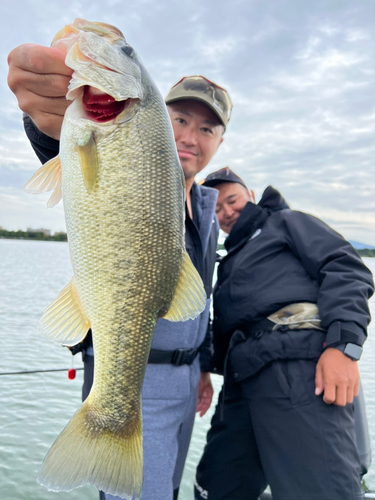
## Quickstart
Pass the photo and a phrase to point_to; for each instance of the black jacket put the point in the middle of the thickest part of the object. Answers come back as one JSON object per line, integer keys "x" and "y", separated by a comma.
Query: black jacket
{"x": 277, "y": 256}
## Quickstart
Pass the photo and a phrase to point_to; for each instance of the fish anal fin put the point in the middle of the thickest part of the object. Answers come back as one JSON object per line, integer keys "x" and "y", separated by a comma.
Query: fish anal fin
{"x": 47, "y": 178}
{"x": 88, "y": 453}
{"x": 88, "y": 158}
{"x": 64, "y": 321}
{"x": 190, "y": 297}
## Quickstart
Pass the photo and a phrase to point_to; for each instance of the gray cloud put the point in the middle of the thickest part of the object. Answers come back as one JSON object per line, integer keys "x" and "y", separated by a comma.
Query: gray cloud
{"x": 300, "y": 74}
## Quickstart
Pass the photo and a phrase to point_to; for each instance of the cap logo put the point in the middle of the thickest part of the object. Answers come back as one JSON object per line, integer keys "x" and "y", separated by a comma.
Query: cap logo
{"x": 256, "y": 233}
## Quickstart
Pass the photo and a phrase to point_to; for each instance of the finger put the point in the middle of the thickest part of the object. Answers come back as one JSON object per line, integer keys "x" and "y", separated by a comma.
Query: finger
{"x": 38, "y": 69}
{"x": 204, "y": 411}
{"x": 204, "y": 401}
{"x": 329, "y": 396}
{"x": 49, "y": 85}
{"x": 319, "y": 383}
{"x": 46, "y": 113}
{"x": 32, "y": 104}
{"x": 46, "y": 85}
{"x": 356, "y": 389}
{"x": 39, "y": 59}
{"x": 201, "y": 408}
{"x": 204, "y": 407}
{"x": 349, "y": 395}
{"x": 341, "y": 394}
{"x": 49, "y": 124}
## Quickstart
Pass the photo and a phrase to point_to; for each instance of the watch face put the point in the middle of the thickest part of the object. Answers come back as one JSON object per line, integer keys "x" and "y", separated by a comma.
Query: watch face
{"x": 353, "y": 351}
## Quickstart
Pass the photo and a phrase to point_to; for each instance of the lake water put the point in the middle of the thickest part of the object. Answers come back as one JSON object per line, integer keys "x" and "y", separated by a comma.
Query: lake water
{"x": 35, "y": 407}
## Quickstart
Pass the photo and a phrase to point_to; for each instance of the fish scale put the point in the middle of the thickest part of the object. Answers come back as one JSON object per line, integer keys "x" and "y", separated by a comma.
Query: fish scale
{"x": 123, "y": 194}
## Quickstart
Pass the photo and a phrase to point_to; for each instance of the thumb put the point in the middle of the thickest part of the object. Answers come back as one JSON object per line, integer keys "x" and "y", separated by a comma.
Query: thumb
{"x": 319, "y": 383}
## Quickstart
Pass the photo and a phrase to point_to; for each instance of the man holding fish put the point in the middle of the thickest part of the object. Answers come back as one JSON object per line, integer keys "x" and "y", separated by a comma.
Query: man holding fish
{"x": 199, "y": 110}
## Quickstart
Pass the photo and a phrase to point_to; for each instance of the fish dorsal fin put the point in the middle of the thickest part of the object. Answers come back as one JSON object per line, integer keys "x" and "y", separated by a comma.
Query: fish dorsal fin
{"x": 88, "y": 158}
{"x": 64, "y": 321}
{"x": 190, "y": 297}
{"x": 47, "y": 178}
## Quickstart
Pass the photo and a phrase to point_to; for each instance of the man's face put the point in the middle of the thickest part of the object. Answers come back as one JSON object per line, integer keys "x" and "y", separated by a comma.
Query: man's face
{"x": 197, "y": 132}
{"x": 231, "y": 201}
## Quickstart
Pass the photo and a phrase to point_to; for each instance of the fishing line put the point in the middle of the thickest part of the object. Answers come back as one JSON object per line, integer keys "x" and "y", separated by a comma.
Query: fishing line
{"x": 38, "y": 371}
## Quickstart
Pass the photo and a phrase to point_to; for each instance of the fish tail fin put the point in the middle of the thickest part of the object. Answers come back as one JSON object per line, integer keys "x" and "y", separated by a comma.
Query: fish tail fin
{"x": 110, "y": 460}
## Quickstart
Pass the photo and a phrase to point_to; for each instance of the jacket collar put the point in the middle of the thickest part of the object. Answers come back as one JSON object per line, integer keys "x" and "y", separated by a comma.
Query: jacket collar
{"x": 204, "y": 202}
{"x": 254, "y": 216}
{"x": 273, "y": 200}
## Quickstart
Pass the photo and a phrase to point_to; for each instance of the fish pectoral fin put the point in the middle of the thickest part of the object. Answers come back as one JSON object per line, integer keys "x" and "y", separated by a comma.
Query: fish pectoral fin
{"x": 190, "y": 297}
{"x": 64, "y": 321}
{"x": 88, "y": 158}
{"x": 47, "y": 178}
{"x": 89, "y": 452}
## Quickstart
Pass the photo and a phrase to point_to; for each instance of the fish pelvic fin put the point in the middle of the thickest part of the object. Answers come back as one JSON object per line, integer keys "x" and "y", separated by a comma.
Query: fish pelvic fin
{"x": 88, "y": 159}
{"x": 64, "y": 321}
{"x": 112, "y": 461}
{"x": 190, "y": 297}
{"x": 47, "y": 178}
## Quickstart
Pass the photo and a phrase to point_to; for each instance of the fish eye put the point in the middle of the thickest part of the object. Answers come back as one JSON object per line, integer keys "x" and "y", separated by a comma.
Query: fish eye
{"x": 128, "y": 50}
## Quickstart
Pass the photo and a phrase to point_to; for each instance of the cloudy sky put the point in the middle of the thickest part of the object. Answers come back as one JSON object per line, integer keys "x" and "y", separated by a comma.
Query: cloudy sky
{"x": 301, "y": 75}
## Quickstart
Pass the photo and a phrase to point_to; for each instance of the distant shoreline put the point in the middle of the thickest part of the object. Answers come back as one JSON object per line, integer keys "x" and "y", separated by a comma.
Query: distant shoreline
{"x": 33, "y": 239}
{"x": 366, "y": 252}
{"x": 32, "y": 235}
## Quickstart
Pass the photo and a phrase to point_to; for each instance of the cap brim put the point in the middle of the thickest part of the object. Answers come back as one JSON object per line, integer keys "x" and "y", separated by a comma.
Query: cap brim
{"x": 191, "y": 97}
{"x": 216, "y": 182}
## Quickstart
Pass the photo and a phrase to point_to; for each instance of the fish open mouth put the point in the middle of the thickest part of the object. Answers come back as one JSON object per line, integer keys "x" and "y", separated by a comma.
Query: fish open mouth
{"x": 101, "y": 107}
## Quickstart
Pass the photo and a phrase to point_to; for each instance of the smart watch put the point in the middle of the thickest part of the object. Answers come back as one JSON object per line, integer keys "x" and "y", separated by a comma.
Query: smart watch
{"x": 352, "y": 351}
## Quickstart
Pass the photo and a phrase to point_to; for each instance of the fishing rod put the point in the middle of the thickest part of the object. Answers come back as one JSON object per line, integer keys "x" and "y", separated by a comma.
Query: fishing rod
{"x": 71, "y": 372}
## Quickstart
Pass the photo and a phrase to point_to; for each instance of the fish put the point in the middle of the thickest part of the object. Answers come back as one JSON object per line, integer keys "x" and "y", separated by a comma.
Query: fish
{"x": 123, "y": 192}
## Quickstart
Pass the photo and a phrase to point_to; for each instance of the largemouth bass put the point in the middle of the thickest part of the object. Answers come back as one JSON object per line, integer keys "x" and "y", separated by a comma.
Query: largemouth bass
{"x": 123, "y": 192}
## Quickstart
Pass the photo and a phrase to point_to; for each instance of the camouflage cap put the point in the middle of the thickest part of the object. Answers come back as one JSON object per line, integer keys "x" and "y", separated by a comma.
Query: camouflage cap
{"x": 199, "y": 88}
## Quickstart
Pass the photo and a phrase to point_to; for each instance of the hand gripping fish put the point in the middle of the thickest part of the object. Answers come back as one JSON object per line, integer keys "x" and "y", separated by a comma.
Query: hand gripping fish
{"x": 123, "y": 192}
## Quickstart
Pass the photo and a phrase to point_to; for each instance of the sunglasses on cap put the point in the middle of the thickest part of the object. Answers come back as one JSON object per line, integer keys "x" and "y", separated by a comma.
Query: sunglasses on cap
{"x": 201, "y": 88}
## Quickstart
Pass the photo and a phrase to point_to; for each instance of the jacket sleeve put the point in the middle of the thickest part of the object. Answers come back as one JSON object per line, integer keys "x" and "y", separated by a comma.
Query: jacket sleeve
{"x": 206, "y": 350}
{"x": 45, "y": 147}
{"x": 345, "y": 283}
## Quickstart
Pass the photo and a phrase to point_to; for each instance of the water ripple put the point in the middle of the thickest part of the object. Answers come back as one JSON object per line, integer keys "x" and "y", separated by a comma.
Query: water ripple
{"x": 35, "y": 408}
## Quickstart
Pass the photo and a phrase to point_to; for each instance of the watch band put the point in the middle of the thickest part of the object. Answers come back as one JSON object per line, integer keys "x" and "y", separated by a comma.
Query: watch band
{"x": 352, "y": 351}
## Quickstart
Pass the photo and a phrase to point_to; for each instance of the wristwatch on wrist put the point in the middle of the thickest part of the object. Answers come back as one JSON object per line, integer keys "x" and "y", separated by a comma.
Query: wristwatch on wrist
{"x": 352, "y": 351}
